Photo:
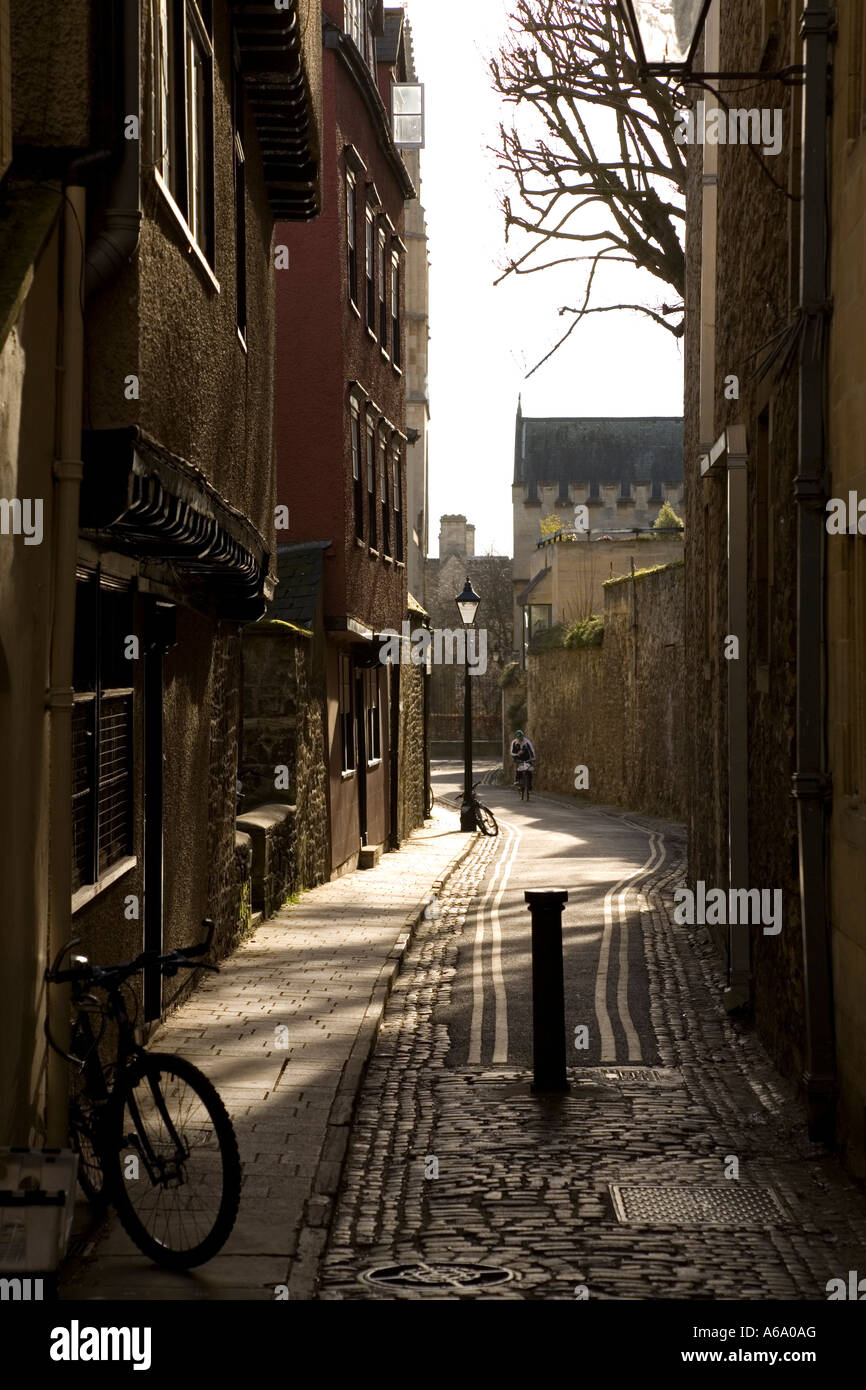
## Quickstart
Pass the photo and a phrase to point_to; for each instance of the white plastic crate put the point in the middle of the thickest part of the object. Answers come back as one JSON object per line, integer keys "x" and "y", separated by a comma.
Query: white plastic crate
{"x": 37, "y": 1198}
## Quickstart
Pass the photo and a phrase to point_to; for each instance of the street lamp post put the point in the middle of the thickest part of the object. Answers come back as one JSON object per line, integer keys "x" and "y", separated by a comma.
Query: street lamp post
{"x": 467, "y": 606}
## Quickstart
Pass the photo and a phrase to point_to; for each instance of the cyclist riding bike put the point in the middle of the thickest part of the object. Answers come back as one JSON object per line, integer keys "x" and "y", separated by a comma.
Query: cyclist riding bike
{"x": 523, "y": 753}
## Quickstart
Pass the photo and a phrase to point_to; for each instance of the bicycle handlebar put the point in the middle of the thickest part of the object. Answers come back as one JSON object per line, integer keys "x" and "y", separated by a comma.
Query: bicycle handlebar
{"x": 109, "y": 975}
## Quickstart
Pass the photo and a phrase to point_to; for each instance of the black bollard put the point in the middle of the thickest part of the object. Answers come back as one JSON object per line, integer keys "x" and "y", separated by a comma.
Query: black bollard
{"x": 548, "y": 992}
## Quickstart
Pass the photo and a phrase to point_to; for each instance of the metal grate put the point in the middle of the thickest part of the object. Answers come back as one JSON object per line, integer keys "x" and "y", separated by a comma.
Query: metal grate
{"x": 115, "y": 783}
{"x": 445, "y": 1276}
{"x": 727, "y": 1205}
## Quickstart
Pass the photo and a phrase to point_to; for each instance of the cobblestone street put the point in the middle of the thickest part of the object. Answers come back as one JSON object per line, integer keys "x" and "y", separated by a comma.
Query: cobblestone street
{"x": 452, "y": 1164}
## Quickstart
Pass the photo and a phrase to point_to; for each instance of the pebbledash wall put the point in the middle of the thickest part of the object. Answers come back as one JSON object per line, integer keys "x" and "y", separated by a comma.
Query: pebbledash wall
{"x": 617, "y": 709}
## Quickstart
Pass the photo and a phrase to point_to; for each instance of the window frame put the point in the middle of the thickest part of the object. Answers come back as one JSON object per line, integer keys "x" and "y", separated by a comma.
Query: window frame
{"x": 370, "y": 268}
{"x": 370, "y": 461}
{"x": 356, "y": 437}
{"x": 352, "y": 234}
{"x": 95, "y": 694}
{"x": 382, "y": 269}
{"x": 384, "y": 495}
{"x": 185, "y": 113}
{"x": 346, "y": 715}
{"x": 372, "y": 716}
{"x": 397, "y": 465}
{"x": 396, "y": 304}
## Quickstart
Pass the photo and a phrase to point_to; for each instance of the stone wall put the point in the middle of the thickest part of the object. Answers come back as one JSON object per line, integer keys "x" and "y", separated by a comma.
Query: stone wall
{"x": 617, "y": 709}
{"x": 284, "y": 727}
{"x": 410, "y": 810}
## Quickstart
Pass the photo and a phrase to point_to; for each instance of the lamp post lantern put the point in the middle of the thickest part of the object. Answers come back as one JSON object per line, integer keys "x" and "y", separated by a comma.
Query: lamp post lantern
{"x": 467, "y": 606}
{"x": 666, "y": 35}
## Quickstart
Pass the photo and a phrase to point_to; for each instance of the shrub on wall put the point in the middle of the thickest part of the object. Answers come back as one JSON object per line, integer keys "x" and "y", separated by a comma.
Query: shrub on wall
{"x": 587, "y": 632}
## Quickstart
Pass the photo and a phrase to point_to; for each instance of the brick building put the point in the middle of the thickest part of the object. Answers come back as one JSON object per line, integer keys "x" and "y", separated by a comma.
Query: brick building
{"x": 151, "y": 149}
{"x": 341, "y": 410}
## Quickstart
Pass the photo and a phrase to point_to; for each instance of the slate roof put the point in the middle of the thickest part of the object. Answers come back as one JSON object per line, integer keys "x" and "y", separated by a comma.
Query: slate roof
{"x": 299, "y": 571}
{"x": 599, "y": 449}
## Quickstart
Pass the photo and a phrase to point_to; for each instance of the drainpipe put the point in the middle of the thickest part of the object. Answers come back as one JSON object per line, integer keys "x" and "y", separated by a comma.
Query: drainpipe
{"x": 108, "y": 255}
{"x": 811, "y": 783}
{"x": 117, "y": 243}
{"x": 738, "y": 992}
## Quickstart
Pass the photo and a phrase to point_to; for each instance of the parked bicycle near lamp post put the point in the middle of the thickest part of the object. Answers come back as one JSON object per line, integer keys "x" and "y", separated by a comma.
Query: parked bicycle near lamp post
{"x": 152, "y": 1134}
{"x": 485, "y": 820}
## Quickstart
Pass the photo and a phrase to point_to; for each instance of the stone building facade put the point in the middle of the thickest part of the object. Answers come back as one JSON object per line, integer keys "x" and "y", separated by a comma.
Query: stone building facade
{"x": 774, "y": 383}
{"x": 136, "y": 247}
{"x": 620, "y": 469}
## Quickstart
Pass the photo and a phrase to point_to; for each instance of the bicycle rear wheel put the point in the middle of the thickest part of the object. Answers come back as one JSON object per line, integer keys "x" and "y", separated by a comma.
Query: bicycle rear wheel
{"x": 85, "y": 1137}
{"x": 179, "y": 1199}
{"x": 485, "y": 820}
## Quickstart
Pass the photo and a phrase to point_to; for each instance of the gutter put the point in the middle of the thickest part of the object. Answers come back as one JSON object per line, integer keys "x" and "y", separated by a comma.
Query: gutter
{"x": 108, "y": 255}
{"x": 811, "y": 783}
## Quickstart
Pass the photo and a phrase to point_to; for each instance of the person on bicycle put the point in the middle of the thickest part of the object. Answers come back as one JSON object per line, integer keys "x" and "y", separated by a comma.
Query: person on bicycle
{"x": 523, "y": 753}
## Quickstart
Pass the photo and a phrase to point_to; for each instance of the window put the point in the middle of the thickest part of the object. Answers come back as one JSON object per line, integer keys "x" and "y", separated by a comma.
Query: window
{"x": 374, "y": 721}
{"x": 371, "y": 486}
{"x": 396, "y": 352}
{"x": 540, "y": 618}
{"x": 357, "y": 486}
{"x": 182, "y": 135}
{"x": 355, "y": 22}
{"x": 240, "y": 205}
{"x": 371, "y": 272}
{"x": 407, "y": 115}
{"x": 347, "y": 718}
{"x": 383, "y": 494}
{"x": 383, "y": 281}
{"x": 102, "y": 751}
{"x": 351, "y": 235}
{"x": 398, "y": 504}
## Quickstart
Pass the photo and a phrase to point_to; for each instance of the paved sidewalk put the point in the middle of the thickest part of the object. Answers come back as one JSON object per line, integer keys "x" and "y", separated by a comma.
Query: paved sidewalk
{"x": 323, "y": 968}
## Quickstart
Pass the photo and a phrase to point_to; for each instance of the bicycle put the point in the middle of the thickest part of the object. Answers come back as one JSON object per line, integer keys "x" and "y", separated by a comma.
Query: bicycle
{"x": 153, "y": 1136}
{"x": 484, "y": 817}
{"x": 524, "y": 781}
{"x": 428, "y": 808}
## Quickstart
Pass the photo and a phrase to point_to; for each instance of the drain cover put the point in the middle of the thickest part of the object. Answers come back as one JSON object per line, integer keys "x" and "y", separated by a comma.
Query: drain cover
{"x": 642, "y": 1076}
{"x": 730, "y": 1206}
{"x": 419, "y": 1276}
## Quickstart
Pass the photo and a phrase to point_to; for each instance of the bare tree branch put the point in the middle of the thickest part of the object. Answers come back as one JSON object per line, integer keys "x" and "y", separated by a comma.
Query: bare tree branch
{"x": 618, "y": 187}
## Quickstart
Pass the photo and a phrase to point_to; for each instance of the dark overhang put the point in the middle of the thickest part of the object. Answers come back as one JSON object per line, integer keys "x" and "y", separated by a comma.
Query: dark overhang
{"x": 146, "y": 501}
{"x": 271, "y": 46}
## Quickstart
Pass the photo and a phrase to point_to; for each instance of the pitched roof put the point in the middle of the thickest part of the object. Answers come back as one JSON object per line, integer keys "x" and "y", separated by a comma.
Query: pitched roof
{"x": 598, "y": 449}
{"x": 299, "y": 571}
{"x": 523, "y": 596}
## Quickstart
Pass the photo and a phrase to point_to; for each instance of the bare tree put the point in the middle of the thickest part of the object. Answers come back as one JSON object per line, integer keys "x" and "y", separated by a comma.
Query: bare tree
{"x": 590, "y": 190}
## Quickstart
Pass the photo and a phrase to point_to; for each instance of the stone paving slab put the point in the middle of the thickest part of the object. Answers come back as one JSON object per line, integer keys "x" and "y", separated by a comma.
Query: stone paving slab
{"x": 323, "y": 967}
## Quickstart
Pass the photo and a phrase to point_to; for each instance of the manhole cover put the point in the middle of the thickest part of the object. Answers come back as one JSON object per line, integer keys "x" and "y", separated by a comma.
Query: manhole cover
{"x": 728, "y": 1205}
{"x": 421, "y": 1275}
{"x": 642, "y": 1076}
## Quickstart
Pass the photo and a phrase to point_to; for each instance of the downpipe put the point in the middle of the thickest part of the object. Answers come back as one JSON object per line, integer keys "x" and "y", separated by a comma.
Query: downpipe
{"x": 811, "y": 784}
{"x": 83, "y": 274}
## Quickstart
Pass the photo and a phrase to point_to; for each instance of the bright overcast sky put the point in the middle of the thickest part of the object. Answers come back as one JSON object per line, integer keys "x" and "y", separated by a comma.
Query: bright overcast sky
{"x": 484, "y": 339}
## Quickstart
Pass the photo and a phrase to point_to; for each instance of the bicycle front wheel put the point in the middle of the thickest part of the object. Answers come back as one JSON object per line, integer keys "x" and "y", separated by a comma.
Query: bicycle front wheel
{"x": 177, "y": 1180}
{"x": 485, "y": 820}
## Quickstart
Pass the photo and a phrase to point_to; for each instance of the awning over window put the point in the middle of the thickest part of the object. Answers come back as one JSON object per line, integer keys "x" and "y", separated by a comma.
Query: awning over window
{"x": 152, "y": 504}
{"x": 276, "y": 57}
